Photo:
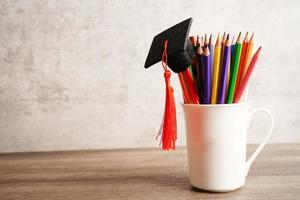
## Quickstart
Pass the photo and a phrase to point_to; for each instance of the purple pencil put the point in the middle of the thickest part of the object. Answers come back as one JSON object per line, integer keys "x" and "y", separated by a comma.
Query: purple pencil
{"x": 224, "y": 71}
{"x": 207, "y": 76}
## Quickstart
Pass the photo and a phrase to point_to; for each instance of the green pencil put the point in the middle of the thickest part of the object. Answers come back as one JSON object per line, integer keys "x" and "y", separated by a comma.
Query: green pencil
{"x": 234, "y": 70}
{"x": 230, "y": 67}
{"x": 232, "y": 55}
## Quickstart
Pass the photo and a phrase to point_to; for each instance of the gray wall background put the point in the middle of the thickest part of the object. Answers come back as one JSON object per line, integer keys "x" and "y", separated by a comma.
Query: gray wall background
{"x": 72, "y": 77}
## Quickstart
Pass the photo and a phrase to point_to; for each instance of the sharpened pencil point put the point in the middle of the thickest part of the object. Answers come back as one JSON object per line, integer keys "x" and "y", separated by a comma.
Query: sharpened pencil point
{"x": 232, "y": 43}
{"x": 206, "y": 41}
{"x": 227, "y": 42}
{"x": 206, "y": 51}
{"x": 224, "y": 37}
{"x": 199, "y": 50}
{"x": 252, "y": 37}
{"x": 218, "y": 41}
{"x": 197, "y": 42}
{"x": 246, "y": 37}
{"x": 238, "y": 40}
{"x": 258, "y": 51}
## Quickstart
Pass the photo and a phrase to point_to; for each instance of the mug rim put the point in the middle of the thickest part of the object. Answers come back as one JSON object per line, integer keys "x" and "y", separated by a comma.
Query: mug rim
{"x": 217, "y": 105}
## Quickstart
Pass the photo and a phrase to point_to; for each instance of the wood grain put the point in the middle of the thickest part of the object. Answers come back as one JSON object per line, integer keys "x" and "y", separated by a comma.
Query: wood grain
{"x": 139, "y": 174}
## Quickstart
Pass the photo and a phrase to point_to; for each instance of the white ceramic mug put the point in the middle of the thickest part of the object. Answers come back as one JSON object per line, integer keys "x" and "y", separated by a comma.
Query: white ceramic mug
{"x": 216, "y": 143}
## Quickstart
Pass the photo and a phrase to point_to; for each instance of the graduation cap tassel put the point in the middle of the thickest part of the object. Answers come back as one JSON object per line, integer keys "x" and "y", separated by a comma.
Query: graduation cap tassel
{"x": 168, "y": 129}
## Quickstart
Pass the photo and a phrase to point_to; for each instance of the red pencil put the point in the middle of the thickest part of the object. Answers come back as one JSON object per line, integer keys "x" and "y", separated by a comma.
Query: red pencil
{"x": 247, "y": 76}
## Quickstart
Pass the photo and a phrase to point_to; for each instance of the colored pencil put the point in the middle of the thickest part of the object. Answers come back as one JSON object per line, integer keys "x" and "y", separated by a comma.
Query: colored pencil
{"x": 206, "y": 41}
{"x": 207, "y": 76}
{"x": 222, "y": 50}
{"x": 200, "y": 71}
{"x": 247, "y": 76}
{"x": 193, "y": 65}
{"x": 224, "y": 71}
{"x": 234, "y": 70}
{"x": 232, "y": 54}
{"x": 188, "y": 82}
{"x": 242, "y": 62}
{"x": 222, "y": 45}
{"x": 193, "y": 40}
{"x": 232, "y": 57}
{"x": 216, "y": 69}
{"x": 211, "y": 56}
{"x": 248, "y": 54}
{"x": 183, "y": 88}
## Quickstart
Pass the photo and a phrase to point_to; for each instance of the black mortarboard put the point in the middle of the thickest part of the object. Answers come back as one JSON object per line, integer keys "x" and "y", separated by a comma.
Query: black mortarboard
{"x": 180, "y": 49}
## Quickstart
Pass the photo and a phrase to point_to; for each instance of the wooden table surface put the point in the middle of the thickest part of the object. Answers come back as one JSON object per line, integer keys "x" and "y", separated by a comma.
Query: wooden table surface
{"x": 139, "y": 174}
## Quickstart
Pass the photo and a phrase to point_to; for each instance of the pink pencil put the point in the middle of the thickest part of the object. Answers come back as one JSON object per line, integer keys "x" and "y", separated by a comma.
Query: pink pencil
{"x": 245, "y": 80}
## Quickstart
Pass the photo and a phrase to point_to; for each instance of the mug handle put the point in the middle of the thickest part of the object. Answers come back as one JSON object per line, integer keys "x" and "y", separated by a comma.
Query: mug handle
{"x": 264, "y": 142}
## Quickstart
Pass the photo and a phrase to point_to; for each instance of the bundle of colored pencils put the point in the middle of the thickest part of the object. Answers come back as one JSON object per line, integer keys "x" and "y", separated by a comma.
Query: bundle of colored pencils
{"x": 219, "y": 73}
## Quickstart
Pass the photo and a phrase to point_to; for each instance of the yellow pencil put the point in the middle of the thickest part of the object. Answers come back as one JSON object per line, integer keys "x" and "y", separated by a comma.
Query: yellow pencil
{"x": 216, "y": 69}
{"x": 248, "y": 55}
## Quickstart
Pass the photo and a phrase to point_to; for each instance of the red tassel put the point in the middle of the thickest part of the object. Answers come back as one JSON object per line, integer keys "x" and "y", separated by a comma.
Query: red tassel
{"x": 168, "y": 129}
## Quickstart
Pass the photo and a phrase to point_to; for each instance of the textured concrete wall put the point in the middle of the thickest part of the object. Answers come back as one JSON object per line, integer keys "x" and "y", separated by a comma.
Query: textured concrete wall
{"x": 72, "y": 77}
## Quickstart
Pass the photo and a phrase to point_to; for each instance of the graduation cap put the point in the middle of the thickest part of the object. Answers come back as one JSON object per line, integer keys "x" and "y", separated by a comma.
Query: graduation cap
{"x": 176, "y": 51}
{"x": 180, "y": 49}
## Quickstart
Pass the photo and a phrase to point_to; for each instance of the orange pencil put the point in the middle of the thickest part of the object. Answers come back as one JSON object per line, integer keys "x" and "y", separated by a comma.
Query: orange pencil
{"x": 183, "y": 87}
{"x": 242, "y": 62}
{"x": 247, "y": 76}
{"x": 248, "y": 54}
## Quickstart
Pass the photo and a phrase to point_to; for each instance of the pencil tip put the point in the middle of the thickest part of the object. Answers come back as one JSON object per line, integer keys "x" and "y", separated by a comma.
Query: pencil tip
{"x": 206, "y": 39}
{"x": 252, "y": 37}
{"x": 246, "y": 37}
{"x": 224, "y": 37}
{"x": 238, "y": 40}
{"x": 218, "y": 38}
{"x": 227, "y": 43}
{"x": 258, "y": 51}
{"x": 210, "y": 39}
{"x": 206, "y": 51}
